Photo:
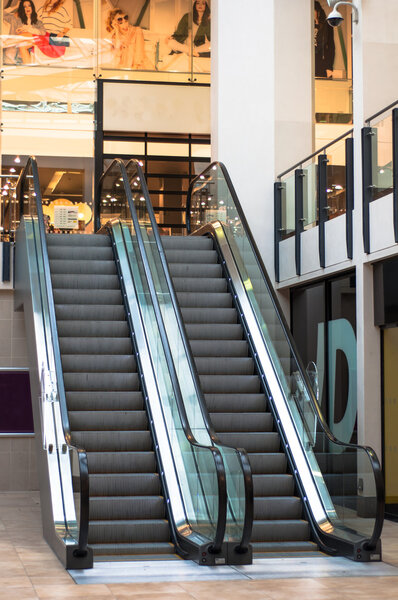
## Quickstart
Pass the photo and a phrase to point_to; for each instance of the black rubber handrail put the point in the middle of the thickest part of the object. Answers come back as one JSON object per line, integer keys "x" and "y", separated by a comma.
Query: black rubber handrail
{"x": 320, "y": 151}
{"x": 81, "y": 550}
{"x": 380, "y": 112}
{"x": 244, "y": 460}
{"x": 378, "y": 476}
{"x": 218, "y": 461}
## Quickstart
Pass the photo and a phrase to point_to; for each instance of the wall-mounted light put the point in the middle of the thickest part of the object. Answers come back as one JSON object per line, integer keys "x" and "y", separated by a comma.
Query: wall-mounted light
{"x": 335, "y": 18}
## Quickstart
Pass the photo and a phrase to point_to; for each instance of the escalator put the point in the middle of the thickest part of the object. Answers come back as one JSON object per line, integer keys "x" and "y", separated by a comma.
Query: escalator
{"x": 310, "y": 489}
{"x": 104, "y": 400}
{"x": 128, "y": 467}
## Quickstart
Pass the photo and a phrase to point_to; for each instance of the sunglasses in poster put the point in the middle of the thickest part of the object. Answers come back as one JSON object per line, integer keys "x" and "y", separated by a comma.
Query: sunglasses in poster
{"x": 121, "y": 19}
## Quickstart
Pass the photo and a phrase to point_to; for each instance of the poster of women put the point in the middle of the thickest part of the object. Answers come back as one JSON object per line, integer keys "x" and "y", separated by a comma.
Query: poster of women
{"x": 47, "y": 32}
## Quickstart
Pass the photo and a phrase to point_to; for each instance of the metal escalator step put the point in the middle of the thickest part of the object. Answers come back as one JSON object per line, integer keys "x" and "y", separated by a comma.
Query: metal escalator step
{"x": 93, "y": 329}
{"x": 124, "y": 484}
{"x": 215, "y": 331}
{"x": 242, "y": 422}
{"x": 191, "y": 257}
{"x": 95, "y": 345}
{"x": 215, "y": 348}
{"x": 84, "y": 296}
{"x": 221, "y": 365}
{"x": 148, "y": 530}
{"x": 121, "y": 462}
{"x": 267, "y": 463}
{"x": 236, "y": 402}
{"x": 75, "y": 252}
{"x": 99, "y": 312}
{"x": 261, "y": 548}
{"x": 292, "y": 530}
{"x": 193, "y": 242}
{"x": 213, "y": 384}
{"x": 86, "y": 282}
{"x": 56, "y": 239}
{"x": 186, "y": 270}
{"x": 104, "y": 400}
{"x": 141, "y": 549}
{"x": 277, "y": 508}
{"x": 198, "y": 284}
{"x": 201, "y": 300}
{"x": 90, "y": 382}
{"x": 273, "y": 485}
{"x": 65, "y": 266}
{"x": 252, "y": 442}
{"x": 209, "y": 315}
{"x": 110, "y": 420}
{"x": 107, "y": 508}
{"x": 112, "y": 441}
{"x": 98, "y": 363}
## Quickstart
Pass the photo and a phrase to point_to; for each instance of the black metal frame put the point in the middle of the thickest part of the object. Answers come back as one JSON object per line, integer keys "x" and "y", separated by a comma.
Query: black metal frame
{"x": 82, "y": 550}
{"x": 298, "y": 216}
{"x": 365, "y": 548}
{"x": 367, "y": 184}
{"x": 349, "y": 162}
{"x": 277, "y": 226}
{"x": 323, "y": 207}
{"x": 216, "y": 546}
{"x": 395, "y": 170}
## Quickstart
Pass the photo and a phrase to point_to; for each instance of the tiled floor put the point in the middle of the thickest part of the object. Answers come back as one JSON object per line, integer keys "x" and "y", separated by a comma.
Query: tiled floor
{"x": 29, "y": 570}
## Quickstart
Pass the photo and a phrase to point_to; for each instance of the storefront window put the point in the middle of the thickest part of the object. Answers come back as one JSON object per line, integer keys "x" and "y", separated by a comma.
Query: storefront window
{"x": 324, "y": 327}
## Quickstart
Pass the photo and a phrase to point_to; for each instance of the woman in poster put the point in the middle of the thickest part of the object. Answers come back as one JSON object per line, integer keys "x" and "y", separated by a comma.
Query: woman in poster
{"x": 180, "y": 41}
{"x": 324, "y": 43}
{"x": 26, "y": 24}
{"x": 55, "y": 17}
{"x": 127, "y": 42}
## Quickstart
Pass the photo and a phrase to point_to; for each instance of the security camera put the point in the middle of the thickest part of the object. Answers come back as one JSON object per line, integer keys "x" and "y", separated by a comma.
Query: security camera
{"x": 335, "y": 18}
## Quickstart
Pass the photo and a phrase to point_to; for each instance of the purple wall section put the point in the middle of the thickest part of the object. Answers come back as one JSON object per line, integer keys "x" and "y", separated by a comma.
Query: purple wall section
{"x": 15, "y": 402}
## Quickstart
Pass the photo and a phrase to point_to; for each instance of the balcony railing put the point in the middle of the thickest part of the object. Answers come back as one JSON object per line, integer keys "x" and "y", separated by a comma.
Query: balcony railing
{"x": 313, "y": 191}
{"x": 380, "y": 164}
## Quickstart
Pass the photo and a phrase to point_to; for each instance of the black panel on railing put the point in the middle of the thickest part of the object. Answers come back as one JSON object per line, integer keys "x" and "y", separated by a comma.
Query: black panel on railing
{"x": 299, "y": 215}
{"x": 395, "y": 170}
{"x": 349, "y": 161}
{"x": 367, "y": 185}
{"x": 322, "y": 206}
{"x": 277, "y": 226}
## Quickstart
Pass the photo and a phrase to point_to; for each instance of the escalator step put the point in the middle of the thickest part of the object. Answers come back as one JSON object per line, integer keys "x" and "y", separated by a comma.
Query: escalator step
{"x": 96, "y": 329}
{"x": 148, "y": 530}
{"x": 215, "y": 331}
{"x": 271, "y": 462}
{"x": 75, "y": 253}
{"x": 71, "y": 268}
{"x": 208, "y": 348}
{"x": 197, "y": 284}
{"x": 82, "y": 296}
{"x": 204, "y": 300}
{"x": 126, "y": 508}
{"x": 208, "y": 316}
{"x": 260, "y": 548}
{"x": 273, "y": 485}
{"x": 186, "y": 270}
{"x": 241, "y": 384}
{"x": 121, "y": 462}
{"x": 98, "y": 363}
{"x": 112, "y": 420}
{"x": 277, "y": 508}
{"x": 242, "y": 422}
{"x": 95, "y": 345}
{"x": 104, "y": 400}
{"x": 55, "y": 239}
{"x": 91, "y": 382}
{"x": 112, "y": 441}
{"x": 124, "y": 484}
{"x": 142, "y": 549}
{"x": 252, "y": 442}
{"x": 231, "y": 365}
{"x": 235, "y": 403}
{"x": 192, "y": 257}
{"x": 86, "y": 282}
{"x": 99, "y": 312}
{"x": 194, "y": 242}
{"x": 276, "y": 531}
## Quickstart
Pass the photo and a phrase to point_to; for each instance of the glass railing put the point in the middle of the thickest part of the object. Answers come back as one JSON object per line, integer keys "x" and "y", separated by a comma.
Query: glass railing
{"x": 195, "y": 461}
{"x": 310, "y": 193}
{"x": 288, "y": 227}
{"x": 382, "y": 156}
{"x": 341, "y": 482}
{"x": 67, "y": 464}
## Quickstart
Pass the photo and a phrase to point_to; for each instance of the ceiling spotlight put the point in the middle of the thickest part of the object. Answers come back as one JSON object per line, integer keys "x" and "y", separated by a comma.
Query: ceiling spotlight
{"x": 17, "y": 159}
